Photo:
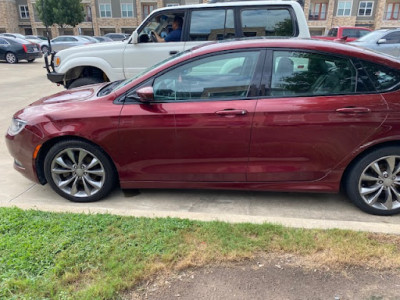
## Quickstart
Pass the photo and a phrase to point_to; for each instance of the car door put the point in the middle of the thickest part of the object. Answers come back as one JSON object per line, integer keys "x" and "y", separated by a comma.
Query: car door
{"x": 207, "y": 25}
{"x": 145, "y": 53}
{"x": 198, "y": 128}
{"x": 392, "y": 44}
{"x": 317, "y": 111}
{"x": 4, "y": 45}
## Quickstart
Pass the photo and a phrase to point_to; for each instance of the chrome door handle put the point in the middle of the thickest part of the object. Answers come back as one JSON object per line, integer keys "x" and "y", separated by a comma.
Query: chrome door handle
{"x": 353, "y": 110}
{"x": 231, "y": 112}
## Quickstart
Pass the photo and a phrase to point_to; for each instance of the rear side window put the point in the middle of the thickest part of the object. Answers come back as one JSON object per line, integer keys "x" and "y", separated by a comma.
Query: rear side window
{"x": 382, "y": 77}
{"x": 212, "y": 25}
{"x": 266, "y": 22}
{"x": 310, "y": 74}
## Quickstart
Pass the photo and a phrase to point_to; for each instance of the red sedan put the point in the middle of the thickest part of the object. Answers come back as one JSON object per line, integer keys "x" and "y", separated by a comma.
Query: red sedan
{"x": 282, "y": 115}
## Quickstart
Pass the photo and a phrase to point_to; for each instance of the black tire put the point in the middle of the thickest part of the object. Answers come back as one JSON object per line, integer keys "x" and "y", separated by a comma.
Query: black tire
{"x": 31, "y": 60}
{"x": 84, "y": 81}
{"x": 45, "y": 49}
{"x": 78, "y": 176}
{"x": 11, "y": 58}
{"x": 372, "y": 184}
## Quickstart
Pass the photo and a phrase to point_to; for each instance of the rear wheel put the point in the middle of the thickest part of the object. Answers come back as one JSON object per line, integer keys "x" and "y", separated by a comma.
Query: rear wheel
{"x": 45, "y": 49}
{"x": 84, "y": 81}
{"x": 11, "y": 58}
{"x": 373, "y": 183}
{"x": 79, "y": 171}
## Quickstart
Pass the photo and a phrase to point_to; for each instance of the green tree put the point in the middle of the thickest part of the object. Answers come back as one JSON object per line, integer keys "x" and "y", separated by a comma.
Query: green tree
{"x": 65, "y": 12}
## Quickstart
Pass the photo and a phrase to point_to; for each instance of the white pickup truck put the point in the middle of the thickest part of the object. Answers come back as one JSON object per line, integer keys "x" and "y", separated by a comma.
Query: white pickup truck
{"x": 202, "y": 23}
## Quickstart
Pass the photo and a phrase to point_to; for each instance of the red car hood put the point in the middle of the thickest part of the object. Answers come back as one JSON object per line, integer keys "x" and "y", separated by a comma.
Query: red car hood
{"x": 87, "y": 92}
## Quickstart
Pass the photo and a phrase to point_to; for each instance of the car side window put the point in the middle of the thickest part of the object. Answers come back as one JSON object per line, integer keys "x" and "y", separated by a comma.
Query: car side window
{"x": 221, "y": 77}
{"x": 266, "y": 22}
{"x": 392, "y": 38}
{"x": 333, "y": 32}
{"x": 311, "y": 74}
{"x": 211, "y": 25}
{"x": 382, "y": 77}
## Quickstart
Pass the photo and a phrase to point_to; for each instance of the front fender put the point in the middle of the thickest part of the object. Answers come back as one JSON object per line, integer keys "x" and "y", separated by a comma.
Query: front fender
{"x": 113, "y": 73}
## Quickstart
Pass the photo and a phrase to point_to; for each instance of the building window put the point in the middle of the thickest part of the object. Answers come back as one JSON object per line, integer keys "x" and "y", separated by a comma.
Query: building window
{"x": 24, "y": 12}
{"x": 127, "y": 10}
{"x": 147, "y": 9}
{"x": 105, "y": 10}
{"x": 365, "y": 8}
{"x": 392, "y": 11}
{"x": 317, "y": 11}
{"x": 344, "y": 8}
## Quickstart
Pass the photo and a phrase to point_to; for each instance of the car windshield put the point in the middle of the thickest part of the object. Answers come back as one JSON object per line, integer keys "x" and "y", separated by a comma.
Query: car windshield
{"x": 372, "y": 36}
{"x": 149, "y": 69}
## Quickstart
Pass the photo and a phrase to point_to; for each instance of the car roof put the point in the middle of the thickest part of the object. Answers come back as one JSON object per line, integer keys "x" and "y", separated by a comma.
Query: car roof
{"x": 15, "y": 40}
{"x": 229, "y": 4}
{"x": 334, "y": 48}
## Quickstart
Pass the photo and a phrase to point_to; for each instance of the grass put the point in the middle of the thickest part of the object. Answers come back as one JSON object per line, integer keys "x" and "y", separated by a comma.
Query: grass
{"x": 76, "y": 256}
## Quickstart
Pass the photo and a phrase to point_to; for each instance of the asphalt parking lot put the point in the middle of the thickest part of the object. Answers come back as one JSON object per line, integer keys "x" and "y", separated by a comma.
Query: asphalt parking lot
{"x": 24, "y": 83}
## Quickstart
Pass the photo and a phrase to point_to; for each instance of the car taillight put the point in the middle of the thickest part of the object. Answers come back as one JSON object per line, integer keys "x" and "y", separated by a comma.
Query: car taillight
{"x": 25, "y": 49}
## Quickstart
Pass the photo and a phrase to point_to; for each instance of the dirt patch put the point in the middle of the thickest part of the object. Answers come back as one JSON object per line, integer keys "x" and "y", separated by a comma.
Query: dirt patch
{"x": 284, "y": 277}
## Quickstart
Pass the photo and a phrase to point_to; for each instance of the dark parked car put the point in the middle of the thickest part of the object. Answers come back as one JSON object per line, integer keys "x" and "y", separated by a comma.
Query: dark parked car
{"x": 13, "y": 50}
{"x": 283, "y": 115}
{"x": 117, "y": 36}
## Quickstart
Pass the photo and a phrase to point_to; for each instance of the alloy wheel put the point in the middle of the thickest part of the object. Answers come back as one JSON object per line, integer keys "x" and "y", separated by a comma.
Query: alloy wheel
{"x": 379, "y": 184}
{"x": 77, "y": 172}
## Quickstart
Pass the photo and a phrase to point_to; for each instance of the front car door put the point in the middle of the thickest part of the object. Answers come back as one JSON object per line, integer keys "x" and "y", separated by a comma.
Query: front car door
{"x": 146, "y": 53}
{"x": 392, "y": 44}
{"x": 198, "y": 128}
{"x": 317, "y": 111}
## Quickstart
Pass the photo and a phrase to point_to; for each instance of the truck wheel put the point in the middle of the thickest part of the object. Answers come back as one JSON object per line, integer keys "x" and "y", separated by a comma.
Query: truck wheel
{"x": 84, "y": 81}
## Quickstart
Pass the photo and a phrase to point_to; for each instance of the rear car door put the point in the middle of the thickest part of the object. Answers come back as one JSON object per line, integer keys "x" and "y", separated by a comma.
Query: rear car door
{"x": 4, "y": 45}
{"x": 317, "y": 111}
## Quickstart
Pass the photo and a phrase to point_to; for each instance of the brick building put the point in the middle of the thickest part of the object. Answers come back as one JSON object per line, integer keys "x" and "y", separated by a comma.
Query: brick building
{"x": 102, "y": 16}
{"x": 106, "y": 16}
{"x": 375, "y": 14}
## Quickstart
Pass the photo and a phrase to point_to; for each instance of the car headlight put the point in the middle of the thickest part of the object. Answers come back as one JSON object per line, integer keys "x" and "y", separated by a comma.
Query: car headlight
{"x": 57, "y": 61}
{"x": 16, "y": 126}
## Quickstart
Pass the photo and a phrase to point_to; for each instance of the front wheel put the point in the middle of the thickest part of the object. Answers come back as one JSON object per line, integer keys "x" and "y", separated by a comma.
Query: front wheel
{"x": 84, "y": 81}
{"x": 11, "y": 58}
{"x": 79, "y": 171}
{"x": 373, "y": 183}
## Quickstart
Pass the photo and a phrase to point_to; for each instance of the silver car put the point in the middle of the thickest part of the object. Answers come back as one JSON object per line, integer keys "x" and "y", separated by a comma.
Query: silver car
{"x": 67, "y": 41}
{"x": 382, "y": 40}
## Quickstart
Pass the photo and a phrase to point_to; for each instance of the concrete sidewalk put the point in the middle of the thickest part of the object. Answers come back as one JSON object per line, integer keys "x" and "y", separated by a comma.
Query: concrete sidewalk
{"x": 24, "y": 83}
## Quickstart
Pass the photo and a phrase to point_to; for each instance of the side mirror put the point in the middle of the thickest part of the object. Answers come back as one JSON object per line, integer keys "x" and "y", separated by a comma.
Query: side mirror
{"x": 146, "y": 94}
{"x": 381, "y": 41}
{"x": 134, "y": 37}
